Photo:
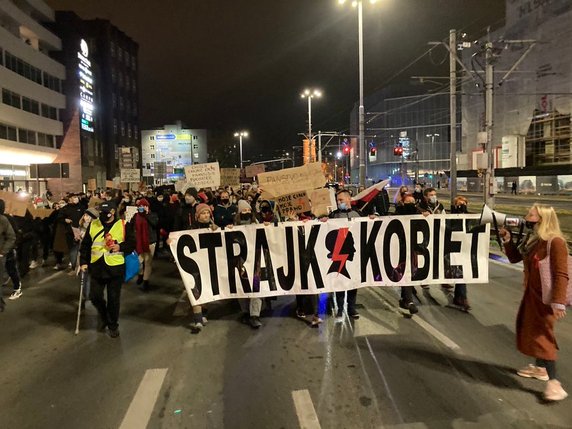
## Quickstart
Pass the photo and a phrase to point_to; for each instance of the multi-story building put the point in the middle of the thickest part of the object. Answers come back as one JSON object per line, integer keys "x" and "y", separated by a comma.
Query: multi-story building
{"x": 407, "y": 137}
{"x": 102, "y": 113}
{"x": 167, "y": 150}
{"x": 32, "y": 84}
{"x": 532, "y": 106}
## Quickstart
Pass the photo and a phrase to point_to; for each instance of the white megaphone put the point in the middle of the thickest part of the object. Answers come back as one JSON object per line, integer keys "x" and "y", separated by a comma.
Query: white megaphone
{"x": 488, "y": 215}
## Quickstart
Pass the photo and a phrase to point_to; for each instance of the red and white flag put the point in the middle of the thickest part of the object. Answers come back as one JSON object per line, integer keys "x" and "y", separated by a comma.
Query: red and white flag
{"x": 370, "y": 193}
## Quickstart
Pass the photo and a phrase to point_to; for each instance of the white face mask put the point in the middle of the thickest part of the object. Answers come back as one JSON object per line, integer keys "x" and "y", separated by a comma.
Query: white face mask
{"x": 433, "y": 199}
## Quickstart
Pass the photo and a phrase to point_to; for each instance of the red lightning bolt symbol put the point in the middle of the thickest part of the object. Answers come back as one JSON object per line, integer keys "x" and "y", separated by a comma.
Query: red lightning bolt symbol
{"x": 336, "y": 256}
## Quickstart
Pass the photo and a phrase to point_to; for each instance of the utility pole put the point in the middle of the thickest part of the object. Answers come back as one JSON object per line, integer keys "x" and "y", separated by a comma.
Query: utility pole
{"x": 361, "y": 108}
{"x": 453, "y": 112}
{"x": 320, "y": 147}
{"x": 489, "y": 189}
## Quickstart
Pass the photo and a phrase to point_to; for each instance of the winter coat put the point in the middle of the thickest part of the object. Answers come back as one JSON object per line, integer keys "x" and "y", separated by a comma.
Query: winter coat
{"x": 7, "y": 235}
{"x": 535, "y": 320}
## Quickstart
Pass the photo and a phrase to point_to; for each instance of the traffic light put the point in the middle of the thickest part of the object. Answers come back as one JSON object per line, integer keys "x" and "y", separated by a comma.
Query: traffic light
{"x": 346, "y": 150}
{"x": 373, "y": 152}
{"x": 398, "y": 150}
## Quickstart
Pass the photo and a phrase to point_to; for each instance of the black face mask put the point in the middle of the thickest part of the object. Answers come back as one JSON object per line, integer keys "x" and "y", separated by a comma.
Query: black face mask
{"x": 245, "y": 216}
{"x": 104, "y": 217}
{"x": 224, "y": 202}
{"x": 409, "y": 208}
{"x": 530, "y": 225}
{"x": 265, "y": 209}
{"x": 461, "y": 208}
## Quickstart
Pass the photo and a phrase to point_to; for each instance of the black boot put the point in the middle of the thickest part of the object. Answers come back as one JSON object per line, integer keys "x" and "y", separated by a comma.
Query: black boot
{"x": 140, "y": 279}
{"x": 2, "y": 304}
{"x": 145, "y": 286}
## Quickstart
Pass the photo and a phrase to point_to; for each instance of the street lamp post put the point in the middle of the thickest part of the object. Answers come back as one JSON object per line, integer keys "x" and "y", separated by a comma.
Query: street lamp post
{"x": 361, "y": 109}
{"x": 240, "y": 135}
{"x": 309, "y": 94}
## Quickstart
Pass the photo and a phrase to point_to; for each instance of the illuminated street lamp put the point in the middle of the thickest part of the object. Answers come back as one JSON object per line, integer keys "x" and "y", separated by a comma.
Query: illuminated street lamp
{"x": 309, "y": 94}
{"x": 240, "y": 135}
{"x": 361, "y": 111}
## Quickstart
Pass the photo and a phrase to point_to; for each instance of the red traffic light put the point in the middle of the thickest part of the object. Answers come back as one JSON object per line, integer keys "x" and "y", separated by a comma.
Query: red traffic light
{"x": 398, "y": 151}
{"x": 346, "y": 149}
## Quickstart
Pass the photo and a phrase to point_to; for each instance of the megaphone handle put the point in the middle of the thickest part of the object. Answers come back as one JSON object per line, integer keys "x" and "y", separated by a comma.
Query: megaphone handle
{"x": 495, "y": 224}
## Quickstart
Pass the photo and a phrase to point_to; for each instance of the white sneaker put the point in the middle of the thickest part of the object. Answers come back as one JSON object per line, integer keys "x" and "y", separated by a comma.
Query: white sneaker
{"x": 205, "y": 321}
{"x": 16, "y": 294}
{"x": 33, "y": 265}
{"x": 196, "y": 327}
{"x": 554, "y": 391}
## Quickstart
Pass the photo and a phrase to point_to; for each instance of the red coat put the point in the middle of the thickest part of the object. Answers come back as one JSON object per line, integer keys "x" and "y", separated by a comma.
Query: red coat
{"x": 535, "y": 321}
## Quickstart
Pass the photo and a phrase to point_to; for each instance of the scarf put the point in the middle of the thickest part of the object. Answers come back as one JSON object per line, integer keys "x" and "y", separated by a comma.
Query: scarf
{"x": 142, "y": 233}
{"x": 528, "y": 243}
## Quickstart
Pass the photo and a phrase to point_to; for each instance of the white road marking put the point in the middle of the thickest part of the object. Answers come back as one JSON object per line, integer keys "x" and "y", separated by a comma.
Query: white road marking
{"x": 53, "y": 276}
{"x": 438, "y": 335}
{"x": 141, "y": 407}
{"x": 305, "y": 410}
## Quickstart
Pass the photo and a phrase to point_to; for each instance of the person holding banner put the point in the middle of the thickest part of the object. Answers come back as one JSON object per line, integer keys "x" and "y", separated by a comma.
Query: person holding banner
{"x": 431, "y": 205}
{"x": 535, "y": 321}
{"x": 102, "y": 250}
{"x": 251, "y": 307}
{"x": 345, "y": 211}
{"x": 460, "y": 204}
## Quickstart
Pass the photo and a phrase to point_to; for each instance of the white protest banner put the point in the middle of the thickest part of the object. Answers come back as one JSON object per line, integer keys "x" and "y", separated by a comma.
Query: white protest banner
{"x": 254, "y": 170}
{"x": 323, "y": 201}
{"x": 290, "y": 180}
{"x": 129, "y": 213}
{"x": 203, "y": 175}
{"x": 293, "y": 258}
{"x": 297, "y": 201}
{"x": 230, "y": 177}
{"x": 130, "y": 175}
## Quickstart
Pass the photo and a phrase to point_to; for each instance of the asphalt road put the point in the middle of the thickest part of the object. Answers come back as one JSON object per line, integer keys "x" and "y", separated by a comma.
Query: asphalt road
{"x": 443, "y": 368}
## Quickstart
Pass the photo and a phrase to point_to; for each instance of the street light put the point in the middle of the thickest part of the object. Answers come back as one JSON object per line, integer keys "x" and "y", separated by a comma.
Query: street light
{"x": 240, "y": 135}
{"x": 361, "y": 111}
{"x": 309, "y": 94}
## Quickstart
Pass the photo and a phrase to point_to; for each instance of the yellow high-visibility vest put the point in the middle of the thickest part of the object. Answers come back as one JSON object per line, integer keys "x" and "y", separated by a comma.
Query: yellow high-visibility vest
{"x": 98, "y": 248}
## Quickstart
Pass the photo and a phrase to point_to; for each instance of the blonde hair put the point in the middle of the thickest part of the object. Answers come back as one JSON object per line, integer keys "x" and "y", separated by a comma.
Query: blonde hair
{"x": 459, "y": 199}
{"x": 549, "y": 226}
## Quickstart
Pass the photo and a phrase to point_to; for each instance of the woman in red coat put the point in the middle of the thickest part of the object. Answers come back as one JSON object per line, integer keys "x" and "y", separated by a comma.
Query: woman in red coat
{"x": 535, "y": 320}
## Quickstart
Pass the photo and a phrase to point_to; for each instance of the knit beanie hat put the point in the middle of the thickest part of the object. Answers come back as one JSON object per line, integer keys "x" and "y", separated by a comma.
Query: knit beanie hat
{"x": 243, "y": 205}
{"x": 201, "y": 208}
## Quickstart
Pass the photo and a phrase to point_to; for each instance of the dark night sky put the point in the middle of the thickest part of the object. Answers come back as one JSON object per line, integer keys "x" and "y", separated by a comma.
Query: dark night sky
{"x": 241, "y": 64}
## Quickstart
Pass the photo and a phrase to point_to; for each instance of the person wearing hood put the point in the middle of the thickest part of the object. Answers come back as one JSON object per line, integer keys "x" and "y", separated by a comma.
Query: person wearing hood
{"x": 251, "y": 307}
{"x": 145, "y": 225}
{"x": 101, "y": 252}
{"x": 266, "y": 213}
{"x": 7, "y": 245}
{"x": 225, "y": 212}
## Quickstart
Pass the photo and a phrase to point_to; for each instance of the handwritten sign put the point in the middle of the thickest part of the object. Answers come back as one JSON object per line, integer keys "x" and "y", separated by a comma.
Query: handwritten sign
{"x": 290, "y": 180}
{"x": 91, "y": 184}
{"x": 130, "y": 175}
{"x": 230, "y": 177}
{"x": 40, "y": 213}
{"x": 129, "y": 213}
{"x": 203, "y": 175}
{"x": 297, "y": 201}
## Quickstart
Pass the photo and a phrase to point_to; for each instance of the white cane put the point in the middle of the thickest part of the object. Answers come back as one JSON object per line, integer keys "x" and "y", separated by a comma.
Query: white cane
{"x": 81, "y": 283}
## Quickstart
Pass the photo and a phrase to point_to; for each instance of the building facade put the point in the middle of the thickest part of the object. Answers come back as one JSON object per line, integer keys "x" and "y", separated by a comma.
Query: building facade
{"x": 101, "y": 119}
{"x": 167, "y": 150}
{"x": 32, "y": 87}
{"x": 532, "y": 106}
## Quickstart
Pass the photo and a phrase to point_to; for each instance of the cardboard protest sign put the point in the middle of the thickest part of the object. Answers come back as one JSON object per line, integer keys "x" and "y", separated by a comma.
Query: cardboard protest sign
{"x": 94, "y": 202}
{"x": 230, "y": 177}
{"x": 203, "y": 175}
{"x": 181, "y": 186}
{"x": 290, "y": 180}
{"x": 296, "y": 258}
{"x": 15, "y": 203}
{"x": 109, "y": 184}
{"x": 254, "y": 170}
{"x": 39, "y": 213}
{"x": 297, "y": 202}
{"x": 91, "y": 184}
{"x": 323, "y": 201}
{"x": 130, "y": 175}
{"x": 129, "y": 213}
